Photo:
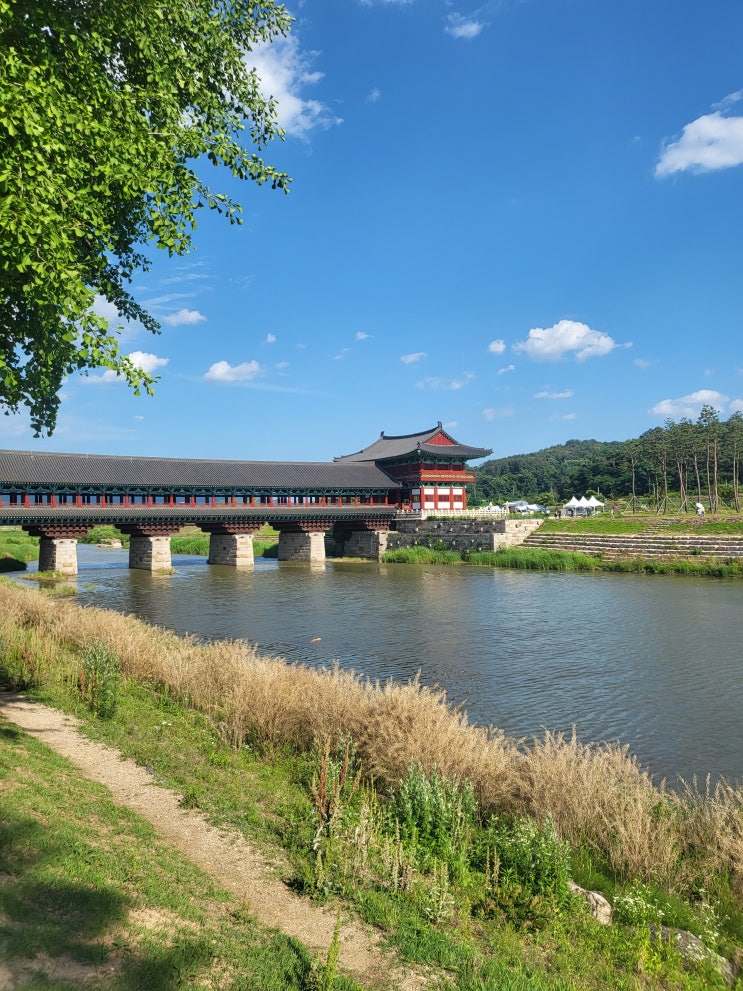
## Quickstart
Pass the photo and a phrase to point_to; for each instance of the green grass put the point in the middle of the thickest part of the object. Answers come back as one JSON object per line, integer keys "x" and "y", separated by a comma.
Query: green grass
{"x": 89, "y": 889}
{"x": 596, "y": 524}
{"x": 422, "y": 555}
{"x": 17, "y": 549}
{"x": 534, "y": 559}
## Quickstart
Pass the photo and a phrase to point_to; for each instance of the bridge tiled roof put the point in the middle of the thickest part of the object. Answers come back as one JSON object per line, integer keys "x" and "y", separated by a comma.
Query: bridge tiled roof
{"x": 386, "y": 448}
{"x": 18, "y": 468}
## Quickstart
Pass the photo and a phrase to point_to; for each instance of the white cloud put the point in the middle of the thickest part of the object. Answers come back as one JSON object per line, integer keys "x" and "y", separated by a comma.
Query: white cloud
{"x": 284, "y": 71}
{"x": 501, "y": 413}
{"x": 497, "y": 347}
{"x": 361, "y": 336}
{"x": 222, "y": 371}
{"x": 736, "y": 405}
{"x": 281, "y": 365}
{"x": 690, "y": 405}
{"x": 414, "y": 358}
{"x": 555, "y": 342}
{"x": 451, "y": 384}
{"x": 505, "y": 369}
{"x": 341, "y": 354}
{"x": 707, "y": 144}
{"x": 642, "y": 363}
{"x": 729, "y": 100}
{"x": 270, "y": 338}
{"x": 145, "y": 360}
{"x": 463, "y": 27}
{"x": 103, "y": 307}
{"x": 183, "y": 317}
{"x": 374, "y": 95}
{"x": 554, "y": 395}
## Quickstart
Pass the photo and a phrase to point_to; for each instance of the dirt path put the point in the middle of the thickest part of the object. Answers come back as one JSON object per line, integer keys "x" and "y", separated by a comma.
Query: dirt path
{"x": 226, "y": 857}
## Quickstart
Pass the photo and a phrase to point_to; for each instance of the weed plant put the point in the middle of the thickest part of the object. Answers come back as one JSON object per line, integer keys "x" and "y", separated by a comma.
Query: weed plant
{"x": 99, "y": 678}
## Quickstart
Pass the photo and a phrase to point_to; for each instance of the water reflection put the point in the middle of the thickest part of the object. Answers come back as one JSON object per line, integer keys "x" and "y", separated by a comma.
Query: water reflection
{"x": 653, "y": 662}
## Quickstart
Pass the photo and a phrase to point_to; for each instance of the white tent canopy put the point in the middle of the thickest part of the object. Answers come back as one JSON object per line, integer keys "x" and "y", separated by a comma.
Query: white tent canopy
{"x": 582, "y": 506}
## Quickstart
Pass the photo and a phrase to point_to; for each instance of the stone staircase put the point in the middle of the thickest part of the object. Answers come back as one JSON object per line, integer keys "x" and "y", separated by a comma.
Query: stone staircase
{"x": 651, "y": 543}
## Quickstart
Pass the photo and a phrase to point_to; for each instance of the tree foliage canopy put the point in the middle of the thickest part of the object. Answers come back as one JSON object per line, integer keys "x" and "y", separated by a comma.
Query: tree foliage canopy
{"x": 668, "y": 467}
{"x": 106, "y": 107}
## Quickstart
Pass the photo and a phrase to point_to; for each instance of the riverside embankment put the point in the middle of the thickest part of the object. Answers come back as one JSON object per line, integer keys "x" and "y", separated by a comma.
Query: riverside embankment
{"x": 337, "y": 836}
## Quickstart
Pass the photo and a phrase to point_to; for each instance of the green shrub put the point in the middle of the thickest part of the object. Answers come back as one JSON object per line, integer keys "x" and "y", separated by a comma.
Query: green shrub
{"x": 103, "y": 533}
{"x": 528, "y": 869}
{"x": 434, "y": 816}
{"x": 98, "y": 680}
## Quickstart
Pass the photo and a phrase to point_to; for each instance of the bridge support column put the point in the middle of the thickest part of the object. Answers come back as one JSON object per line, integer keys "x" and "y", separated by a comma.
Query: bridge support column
{"x": 149, "y": 553}
{"x": 58, "y": 545}
{"x": 366, "y": 543}
{"x": 232, "y": 549}
{"x": 367, "y": 540}
{"x": 302, "y": 542}
{"x": 58, "y": 554}
{"x": 231, "y": 544}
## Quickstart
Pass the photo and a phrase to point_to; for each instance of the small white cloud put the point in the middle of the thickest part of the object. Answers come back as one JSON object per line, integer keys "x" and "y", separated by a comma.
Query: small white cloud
{"x": 499, "y": 413}
{"x": 374, "y": 95}
{"x": 736, "y": 405}
{"x": 341, "y": 354}
{"x": 142, "y": 359}
{"x": 505, "y": 369}
{"x": 183, "y": 317}
{"x": 450, "y": 384}
{"x": 414, "y": 358}
{"x": 497, "y": 347}
{"x": 554, "y": 395}
{"x": 281, "y": 365}
{"x": 270, "y": 338}
{"x": 707, "y": 144}
{"x": 147, "y": 362}
{"x": 361, "y": 336}
{"x": 222, "y": 371}
{"x": 569, "y": 416}
{"x": 691, "y": 405}
{"x": 284, "y": 72}
{"x": 463, "y": 27}
{"x": 138, "y": 418}
{"x": 727, "y": 101}
{"x": 642, "y": 363}
{"x": 553, "y": 343}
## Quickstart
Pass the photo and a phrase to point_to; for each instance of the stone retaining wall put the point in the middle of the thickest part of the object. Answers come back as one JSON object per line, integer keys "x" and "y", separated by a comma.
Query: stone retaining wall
{"x": 461, "y": 535}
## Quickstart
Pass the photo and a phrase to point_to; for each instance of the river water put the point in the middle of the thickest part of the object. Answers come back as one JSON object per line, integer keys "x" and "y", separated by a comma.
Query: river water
{"x": 654, "y": 662}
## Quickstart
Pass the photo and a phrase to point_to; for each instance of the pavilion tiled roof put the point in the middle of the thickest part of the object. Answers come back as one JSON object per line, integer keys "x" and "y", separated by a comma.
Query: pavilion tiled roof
{"x": 18, "y": 468}
{"x": 396, "y": 447}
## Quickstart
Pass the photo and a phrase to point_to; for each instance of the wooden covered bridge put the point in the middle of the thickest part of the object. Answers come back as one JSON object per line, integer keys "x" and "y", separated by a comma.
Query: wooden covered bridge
{"x": 60, "y": 497}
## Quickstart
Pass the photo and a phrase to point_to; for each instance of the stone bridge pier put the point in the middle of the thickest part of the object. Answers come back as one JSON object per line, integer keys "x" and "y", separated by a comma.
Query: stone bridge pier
{"x": 149, "y": 544}
{"x": 302, "y": 540}
{"x": 232, "y": 543}
{"x": 58, "y": 545}
{"x": 368, "y": 539}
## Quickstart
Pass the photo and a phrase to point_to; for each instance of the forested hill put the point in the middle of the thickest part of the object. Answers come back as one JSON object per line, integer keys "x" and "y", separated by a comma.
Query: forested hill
{"x": 556, "y": 473}
{"x": 669, "y": 466}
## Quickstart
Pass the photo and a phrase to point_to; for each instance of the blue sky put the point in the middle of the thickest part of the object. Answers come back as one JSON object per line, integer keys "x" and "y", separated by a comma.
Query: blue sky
{"x": 522, "y": 218}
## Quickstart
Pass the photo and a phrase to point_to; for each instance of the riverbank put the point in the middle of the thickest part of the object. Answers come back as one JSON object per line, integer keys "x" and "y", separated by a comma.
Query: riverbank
{"x": 207, "y": 719}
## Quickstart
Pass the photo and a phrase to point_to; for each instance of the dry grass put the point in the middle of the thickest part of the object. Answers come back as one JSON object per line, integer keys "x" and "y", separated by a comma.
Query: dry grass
{"x": 597, "y": 796}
